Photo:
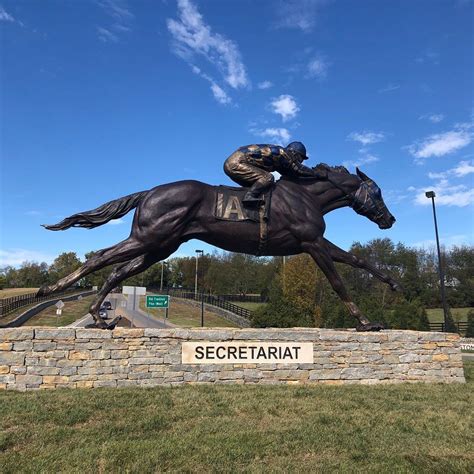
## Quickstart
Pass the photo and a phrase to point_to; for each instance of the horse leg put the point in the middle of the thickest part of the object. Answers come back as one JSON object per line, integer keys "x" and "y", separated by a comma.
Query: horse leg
{"x": 341, "y": 256}
{"x": 126, "y": 270}
{"x": 320, "y": 254}
{"x": 121, "y": 252}
{"x": 120, "y": 273}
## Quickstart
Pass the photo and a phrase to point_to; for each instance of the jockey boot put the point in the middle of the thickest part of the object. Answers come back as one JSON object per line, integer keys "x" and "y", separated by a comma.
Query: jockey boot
{"x": 252, "y": 199}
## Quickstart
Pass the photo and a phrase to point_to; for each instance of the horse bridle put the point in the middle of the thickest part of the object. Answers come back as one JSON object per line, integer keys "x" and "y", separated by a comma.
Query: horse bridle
{"x": 362, "y": 206}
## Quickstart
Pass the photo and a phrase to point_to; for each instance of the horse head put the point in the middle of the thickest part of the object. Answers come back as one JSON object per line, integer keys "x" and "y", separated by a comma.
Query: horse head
{"x": 367, "y": 201}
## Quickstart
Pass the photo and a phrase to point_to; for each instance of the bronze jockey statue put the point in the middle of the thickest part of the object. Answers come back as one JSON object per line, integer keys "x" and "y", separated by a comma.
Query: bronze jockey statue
{"x": 252, "y": 166}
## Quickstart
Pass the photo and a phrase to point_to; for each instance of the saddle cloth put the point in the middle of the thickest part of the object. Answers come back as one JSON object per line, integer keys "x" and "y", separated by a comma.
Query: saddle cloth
{"x": 229, "y": 206}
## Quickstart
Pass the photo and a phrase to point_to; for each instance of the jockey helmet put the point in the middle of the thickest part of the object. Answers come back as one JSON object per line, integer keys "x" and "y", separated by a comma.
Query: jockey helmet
{"x": 297, "y": 148}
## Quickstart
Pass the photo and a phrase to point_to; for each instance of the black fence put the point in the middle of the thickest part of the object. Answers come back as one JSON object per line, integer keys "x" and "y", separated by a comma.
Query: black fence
{"x": 245, "y": 298}
{"x": 461, "y": 327}
{"x": 208, "y": 299}
{"x": 8, "y": 305}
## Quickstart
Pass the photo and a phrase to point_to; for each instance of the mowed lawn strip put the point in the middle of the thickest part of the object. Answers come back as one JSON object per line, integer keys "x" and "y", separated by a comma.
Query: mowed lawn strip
{"x": 251, "y": 305}
{"x": 185, "y": 315}
{"x": 72, "y": 311}
{"x": 396, "y": 428}
{"x": 436, "y": 315}
{"x": 9, "y": 292}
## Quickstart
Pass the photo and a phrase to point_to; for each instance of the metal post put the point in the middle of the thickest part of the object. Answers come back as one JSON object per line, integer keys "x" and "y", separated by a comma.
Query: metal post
{"x": 196, "y": 275}
{"x": 162, "y": 268}
{"x": 431, "y": 194}
{"x": 202, "y": 310}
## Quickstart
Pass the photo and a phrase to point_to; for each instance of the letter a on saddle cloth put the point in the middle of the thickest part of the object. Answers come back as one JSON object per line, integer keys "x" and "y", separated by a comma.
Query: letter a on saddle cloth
{"x": 229, "y": 206}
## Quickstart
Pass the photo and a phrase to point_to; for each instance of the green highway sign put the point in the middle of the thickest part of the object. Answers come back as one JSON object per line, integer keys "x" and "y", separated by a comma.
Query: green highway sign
{"x": 157, "y": 301}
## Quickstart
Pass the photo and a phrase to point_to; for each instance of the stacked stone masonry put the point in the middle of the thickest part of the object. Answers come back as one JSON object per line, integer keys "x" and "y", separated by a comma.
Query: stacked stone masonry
{"x": 39, "y": 358}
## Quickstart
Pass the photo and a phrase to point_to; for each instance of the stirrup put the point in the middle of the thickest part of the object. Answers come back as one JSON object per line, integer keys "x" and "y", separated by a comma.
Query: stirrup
{"x": 250, "y": 200}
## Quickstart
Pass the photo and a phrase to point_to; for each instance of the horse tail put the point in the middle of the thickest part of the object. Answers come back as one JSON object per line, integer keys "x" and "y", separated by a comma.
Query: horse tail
{"x": 96, "y": 217}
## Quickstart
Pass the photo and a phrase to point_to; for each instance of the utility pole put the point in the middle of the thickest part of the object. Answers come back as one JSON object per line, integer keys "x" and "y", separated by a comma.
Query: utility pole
{"x": 431, "y": 195}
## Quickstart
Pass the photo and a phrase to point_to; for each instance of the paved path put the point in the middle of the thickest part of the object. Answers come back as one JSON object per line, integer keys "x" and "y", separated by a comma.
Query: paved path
{"x": 137, "y": 317}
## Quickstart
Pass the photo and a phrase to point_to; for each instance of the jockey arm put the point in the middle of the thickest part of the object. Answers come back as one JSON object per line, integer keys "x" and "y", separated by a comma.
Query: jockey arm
{"x": 290, "y": 166}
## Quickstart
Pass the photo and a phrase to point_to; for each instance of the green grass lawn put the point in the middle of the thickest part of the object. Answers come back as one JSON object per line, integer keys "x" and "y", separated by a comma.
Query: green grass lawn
{"x": 399, "y": 428}
{"x": 9, "y": 292}
{"x": 436, "y": 315}
{"x": 249, "y": 305}
{"x": 72, "y": 311}
{"x": 184, "y": 315}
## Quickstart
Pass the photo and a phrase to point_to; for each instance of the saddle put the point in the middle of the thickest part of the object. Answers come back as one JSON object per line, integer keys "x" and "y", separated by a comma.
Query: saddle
{"x": 229, "y": 205}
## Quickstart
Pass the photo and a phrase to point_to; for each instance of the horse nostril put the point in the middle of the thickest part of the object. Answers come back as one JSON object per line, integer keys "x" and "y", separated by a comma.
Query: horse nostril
{"x": 392, "y": 219}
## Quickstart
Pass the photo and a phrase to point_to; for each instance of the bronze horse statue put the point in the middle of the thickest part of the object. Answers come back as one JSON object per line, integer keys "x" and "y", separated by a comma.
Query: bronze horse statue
{"x": 170, "y": 214}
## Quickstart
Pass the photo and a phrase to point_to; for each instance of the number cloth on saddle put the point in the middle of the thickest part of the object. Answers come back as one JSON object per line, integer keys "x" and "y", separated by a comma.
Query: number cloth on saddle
{"x": 229, "y": 206}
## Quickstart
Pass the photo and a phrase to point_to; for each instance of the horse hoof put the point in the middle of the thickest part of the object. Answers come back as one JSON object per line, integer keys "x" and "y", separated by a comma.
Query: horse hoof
{"x": 370, "y": 327}
{"x": 43, "y": 291}
{"x": 114, "y": 322}
{"x": 103, "y": 325}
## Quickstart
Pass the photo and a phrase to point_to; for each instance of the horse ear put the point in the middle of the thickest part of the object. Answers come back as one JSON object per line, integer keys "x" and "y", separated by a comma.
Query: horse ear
{"x": 361, "y": 175}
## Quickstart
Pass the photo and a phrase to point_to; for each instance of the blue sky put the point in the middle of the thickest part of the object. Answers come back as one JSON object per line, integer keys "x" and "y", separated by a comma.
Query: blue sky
{"x": 102, "y": 98}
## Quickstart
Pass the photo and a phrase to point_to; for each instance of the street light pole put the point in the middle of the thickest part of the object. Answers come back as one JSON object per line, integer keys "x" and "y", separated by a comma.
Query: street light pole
{"x": 196, "y": 275}
{"x": 431, "y": 195}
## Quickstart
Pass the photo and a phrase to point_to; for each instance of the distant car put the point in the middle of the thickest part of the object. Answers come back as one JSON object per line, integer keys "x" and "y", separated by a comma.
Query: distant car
{"x": 107, "y": 305}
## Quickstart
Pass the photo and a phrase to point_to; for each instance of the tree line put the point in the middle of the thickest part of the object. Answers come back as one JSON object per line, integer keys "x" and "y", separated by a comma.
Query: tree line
{"x": 297, "y": 291}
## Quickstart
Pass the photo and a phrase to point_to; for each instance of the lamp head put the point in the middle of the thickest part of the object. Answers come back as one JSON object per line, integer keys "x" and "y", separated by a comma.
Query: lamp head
{"x": 430, "y": 194}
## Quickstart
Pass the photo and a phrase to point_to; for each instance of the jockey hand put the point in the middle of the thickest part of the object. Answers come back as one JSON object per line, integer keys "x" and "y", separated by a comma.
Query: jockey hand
{"x": 320, "y": 172}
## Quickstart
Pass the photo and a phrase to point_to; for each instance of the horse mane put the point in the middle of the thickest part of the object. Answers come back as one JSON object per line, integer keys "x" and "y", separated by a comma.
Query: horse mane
{"x": 337, "y": 170}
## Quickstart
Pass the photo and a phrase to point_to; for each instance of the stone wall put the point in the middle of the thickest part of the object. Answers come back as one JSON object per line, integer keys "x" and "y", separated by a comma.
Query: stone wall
{"x": 32, "y": 358}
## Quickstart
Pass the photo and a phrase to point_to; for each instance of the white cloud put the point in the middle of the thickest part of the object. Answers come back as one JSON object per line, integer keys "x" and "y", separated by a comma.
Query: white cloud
{"x": 106, "y": 36}
{"x": 463, "y": 168}
{"x": 298, "y": 14}
{"x": 280, "y": 135}
{"x": 428, "y": 56}
{"x": 317, "y": 67}
{"x": 116, "y": 222}
{"x": 435, "y": 118}
{"x": 5, "y": 16}
{"x": 446, "y": 194}
{"x": 286, "y": 106}
{"x": 219, "y": 94}
{"x": 193, "y": 37}
{"x": 389, "y": 88}
{"x": 366, "y": 138}
{"x": 122, "y": 18}
{"x": 362, "y": 160}
{"x": 117, "y": 9}
{"x": 15, "y": 257}
{"x": 447, "y": 241}
{"x": 265, "y": 85}
{"x": 441, "y": 144}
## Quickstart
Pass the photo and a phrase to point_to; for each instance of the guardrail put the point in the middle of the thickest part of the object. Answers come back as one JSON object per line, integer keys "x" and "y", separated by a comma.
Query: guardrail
{"x": 8, "y": 305}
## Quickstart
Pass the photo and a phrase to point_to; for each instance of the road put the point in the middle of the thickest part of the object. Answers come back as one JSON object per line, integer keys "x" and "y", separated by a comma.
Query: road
{"x": 137, "y": 317}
